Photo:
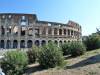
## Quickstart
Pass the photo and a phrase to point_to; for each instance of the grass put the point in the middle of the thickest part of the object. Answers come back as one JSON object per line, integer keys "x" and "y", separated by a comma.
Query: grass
{"x": 91, "y": 53}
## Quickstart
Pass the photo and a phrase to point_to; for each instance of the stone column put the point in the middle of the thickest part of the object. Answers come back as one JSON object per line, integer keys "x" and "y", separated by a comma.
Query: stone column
{"x": 25, "y": 43}
{"x": 47, "y": 31}
{"x": 62, "y": 31}
{"x": 5, "y": 43}
{"x": 58, "y": 31}
{"x": 40, "y": 31}
{"x": 18, "y": 44}
{"x": 66, "y": 32}
{"x": 0, "y": 27}
{"x": 19, "y": 34}
{"x": 11, "y": 43}
{"x": 52, "y": 31}
{"x": 70, "y": 32}
{"x": 5, "y": 30}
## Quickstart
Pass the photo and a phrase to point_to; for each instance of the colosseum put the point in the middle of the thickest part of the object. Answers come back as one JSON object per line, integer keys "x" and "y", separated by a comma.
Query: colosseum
{"x": 19, "y": 30}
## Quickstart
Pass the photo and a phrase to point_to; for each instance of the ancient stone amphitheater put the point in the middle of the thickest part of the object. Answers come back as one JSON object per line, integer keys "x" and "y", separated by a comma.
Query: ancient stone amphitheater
{"x": 18, "y": 30}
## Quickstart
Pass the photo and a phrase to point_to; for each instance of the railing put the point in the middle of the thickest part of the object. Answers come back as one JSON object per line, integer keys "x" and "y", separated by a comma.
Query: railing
{"x": 3, "y": 51}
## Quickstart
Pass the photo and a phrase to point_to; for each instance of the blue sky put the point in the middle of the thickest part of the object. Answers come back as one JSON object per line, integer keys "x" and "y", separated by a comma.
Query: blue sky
{"x": 85, "y": 12}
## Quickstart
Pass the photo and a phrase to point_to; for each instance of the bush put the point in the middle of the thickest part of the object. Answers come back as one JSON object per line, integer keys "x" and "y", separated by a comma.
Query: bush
{"x": 92, "y": 42}
{"x": 77, "y": 48}
{"x": 50, "y": 56}
{"x": 65, "y": 48}
{"x": 14, "y": 63}
{"x": 32, "y": 54}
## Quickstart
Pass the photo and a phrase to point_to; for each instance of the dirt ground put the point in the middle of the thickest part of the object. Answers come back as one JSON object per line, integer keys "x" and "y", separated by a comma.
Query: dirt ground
{"x": 88, "y": 64}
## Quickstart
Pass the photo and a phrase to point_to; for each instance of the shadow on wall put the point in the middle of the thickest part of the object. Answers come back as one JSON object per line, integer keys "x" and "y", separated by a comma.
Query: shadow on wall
{"x": 91, "y": 60}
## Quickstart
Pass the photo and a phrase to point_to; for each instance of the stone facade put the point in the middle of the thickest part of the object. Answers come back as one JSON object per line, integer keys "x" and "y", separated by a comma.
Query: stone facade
{"x": 25, "y": 30}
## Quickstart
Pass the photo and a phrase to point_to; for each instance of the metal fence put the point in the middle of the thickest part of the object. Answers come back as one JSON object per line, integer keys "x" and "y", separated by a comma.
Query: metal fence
{"x": 3, "y": 51}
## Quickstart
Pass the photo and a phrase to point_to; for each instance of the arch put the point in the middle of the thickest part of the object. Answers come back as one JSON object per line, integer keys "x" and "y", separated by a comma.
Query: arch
{"x": 43, "y": 42}
{"x": 60, "y": 42}
{"x": 60, "y": 31}
{"x": 2, "y": 30}
{"x": 2, "y": 45}
{"x": 64, "y": 41}
{"x": 22, "y": 44}
{"x": 29, "y": 43}
{"x": 56, "y": 42}
{"x": 68, "y": 41}
{"x": 8, "y": 44}
{"x": 15, "y": 44}
{"x": 49, "y": 41}
{"x": 37, "y": 43}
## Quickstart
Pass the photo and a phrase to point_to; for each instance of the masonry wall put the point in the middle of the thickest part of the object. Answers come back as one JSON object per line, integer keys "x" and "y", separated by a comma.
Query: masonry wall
{"x": 25, "y": 30}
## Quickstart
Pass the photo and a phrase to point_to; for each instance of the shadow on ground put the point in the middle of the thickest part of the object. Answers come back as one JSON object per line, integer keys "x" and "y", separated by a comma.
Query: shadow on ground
{"x": 88, "y": 61}
{"x": 34, "y": 69}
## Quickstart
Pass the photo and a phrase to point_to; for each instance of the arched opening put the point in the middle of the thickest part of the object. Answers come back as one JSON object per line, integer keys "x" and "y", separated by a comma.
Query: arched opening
{"x": 60, "y": 42}
{"x": 37, "y": 43}
{"x": 8, "y": 44}
{"x": 22, "y": 44}
{"x": 68, "y": 41}
{"x": 56, "y": 42}
{"x": 55, "y": 31}
{"x": 64, "y": 41}
{"x": 64, "y": 31}
{"x": 15, "y": 44}
{"x": 60, "y": 31}
{"x": 29, "y": 43}
{"x": 49, "y": 41}
{"x": 2, "y": 30}
{"x": 43, "y": 42}
{"x": 2, "y": 43}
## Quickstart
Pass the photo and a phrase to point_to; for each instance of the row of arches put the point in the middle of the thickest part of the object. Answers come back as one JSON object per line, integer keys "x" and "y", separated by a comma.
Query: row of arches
{"x": 15, "y": 44}
{"x": 23, "y": 44}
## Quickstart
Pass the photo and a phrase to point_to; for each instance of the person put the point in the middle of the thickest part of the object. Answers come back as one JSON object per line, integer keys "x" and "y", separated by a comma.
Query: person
{"x": 1, "y": 73}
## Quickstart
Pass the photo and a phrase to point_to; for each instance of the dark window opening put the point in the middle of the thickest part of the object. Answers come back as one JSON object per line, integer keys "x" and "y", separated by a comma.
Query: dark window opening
{"x": 64, "y": 31}
{"x": 37, "y": 43}
{"x": 2, "y": 30}
{"x": 15, "y": 44}
{"x": 2, "y": 43}
{"x": 29, "y": 43}
{"x": 22, "y": 44}
{"x": 43, "y": 42}
{"x": 23, "y": 31}
{"x": 36, "y": 32}
{"x": 68, "y": 32}
{"x": 60, "y": 31}
{"x": 8, "y": 44}
{"x": 9, "y": 30}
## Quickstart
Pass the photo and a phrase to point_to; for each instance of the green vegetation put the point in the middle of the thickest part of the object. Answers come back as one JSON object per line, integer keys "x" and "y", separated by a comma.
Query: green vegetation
{"x": 65, "y": 48}
{"x": 92, "y": 42}
{"x": 50, "y": 56}
{"x": 14, "y": 63}
{"x": 77, "y": 48}
{"x": 32, "y": 54}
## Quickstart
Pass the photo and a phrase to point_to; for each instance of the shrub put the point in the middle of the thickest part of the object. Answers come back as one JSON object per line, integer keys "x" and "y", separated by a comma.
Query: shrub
{"x": 92, "y": 42}
{"x": 50, "y": 56}
{"x": 65, "y": 48}
{"x": 14, "y": 63}
{"x": 77, "y": 48}
{"x": 32, "y": 54}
